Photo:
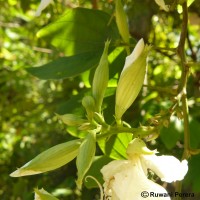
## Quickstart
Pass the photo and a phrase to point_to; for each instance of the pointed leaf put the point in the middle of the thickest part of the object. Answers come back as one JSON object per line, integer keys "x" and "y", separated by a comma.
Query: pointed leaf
{"x": 66, "y": 67}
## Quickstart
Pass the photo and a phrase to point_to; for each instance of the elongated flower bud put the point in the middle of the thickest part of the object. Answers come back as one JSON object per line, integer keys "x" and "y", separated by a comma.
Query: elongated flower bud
{"x": 88, "y": 103}
{"x": 71, "y": 119}
{"x": 43, "y": 195}
{"x": 50, "y": 159}
{"x": 100, "y": 80}
{"x": 85, "y": 156}
{"x": 122, "y": 22}
{"x": 131, "y": 79}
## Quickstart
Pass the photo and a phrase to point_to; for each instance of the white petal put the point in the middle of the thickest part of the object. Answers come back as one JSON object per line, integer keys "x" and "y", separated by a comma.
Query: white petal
{"x": 127, "y": 181}
{"x": 168, "y": 168}
{"x": 42, "y": 6}
{"x": 135, "y": 54}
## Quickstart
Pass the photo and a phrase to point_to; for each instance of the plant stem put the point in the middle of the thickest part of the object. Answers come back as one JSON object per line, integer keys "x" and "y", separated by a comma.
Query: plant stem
{"x": 183, "y": 89}
{"x": 137, "y": 132}
{"x": 184, "y": 78}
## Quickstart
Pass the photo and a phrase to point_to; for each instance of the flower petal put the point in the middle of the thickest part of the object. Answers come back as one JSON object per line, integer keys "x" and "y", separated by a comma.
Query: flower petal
{"x": 168, "y": 168}
{"x": 135, "y": 54}
{"x": 126, "y": 181}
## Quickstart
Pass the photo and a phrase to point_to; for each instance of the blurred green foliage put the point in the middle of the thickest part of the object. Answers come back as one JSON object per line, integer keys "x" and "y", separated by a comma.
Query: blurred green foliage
{"x": 28, "y": 105}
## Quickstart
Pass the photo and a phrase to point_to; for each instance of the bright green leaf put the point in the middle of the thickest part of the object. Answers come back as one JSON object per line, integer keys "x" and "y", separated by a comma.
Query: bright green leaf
{"x": 116, "y": 146}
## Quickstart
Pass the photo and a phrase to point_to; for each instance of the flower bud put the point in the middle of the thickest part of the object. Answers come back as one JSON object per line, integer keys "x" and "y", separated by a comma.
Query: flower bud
{"x": 100, "y": 80}
{"x": 71, "y": 119}
{"x": 85, "y": 156}
{"x": 86, "y": 126}
{"x": 122, "y": 22}
{"x": 43, "y": 195}
{"x": 50, "y": 159}
{"x": 88, "y": 103}
{"x": 131, "y": 79}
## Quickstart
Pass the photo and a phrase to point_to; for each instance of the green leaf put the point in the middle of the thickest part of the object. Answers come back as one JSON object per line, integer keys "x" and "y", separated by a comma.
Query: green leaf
{"x": 192, "y": 178}
{"x": 72, "y": 105}
{"x": 85, "y": 156}
{"x": 116, "y": 146}
{"x": 94, "y": 171}
{"x": 81, "y": 38}
{"x": 194, "y": 136}
{"x": 43, "y": 195}
{"x": 172, "y": 134}
{"x": 80, "y": 30}
{"x": 50, "y": 159}
{"x": 74, "y": 131}
{"x": 66, "y": 67}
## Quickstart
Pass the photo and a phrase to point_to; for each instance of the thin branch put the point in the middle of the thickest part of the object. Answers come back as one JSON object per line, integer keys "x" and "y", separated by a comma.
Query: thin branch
{"x": 183, "y": 88}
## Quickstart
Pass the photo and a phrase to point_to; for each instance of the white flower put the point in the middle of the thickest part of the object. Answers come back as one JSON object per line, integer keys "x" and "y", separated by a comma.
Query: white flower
{"x": 42, "y": 6}
{"x": 162, "y": 5}
{"x": 127, "y": 179}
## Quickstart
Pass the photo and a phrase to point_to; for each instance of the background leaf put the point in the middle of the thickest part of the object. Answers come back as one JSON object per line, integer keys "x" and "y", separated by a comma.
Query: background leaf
{"x": 115, "y": 147}
{"x": 74, "y": 34}
{"x": 94, "y": 171}
{"x": 66, "y": 67}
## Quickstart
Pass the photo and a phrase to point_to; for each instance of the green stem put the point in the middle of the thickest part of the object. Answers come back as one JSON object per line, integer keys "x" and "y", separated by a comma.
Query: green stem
{"x": 183, "y": 89}
{"x": 184, "y": 78}
{"x": 137, "y": 132}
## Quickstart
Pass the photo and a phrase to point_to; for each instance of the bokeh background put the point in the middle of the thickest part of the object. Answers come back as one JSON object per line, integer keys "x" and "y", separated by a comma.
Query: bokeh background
{"x": 28, "y": 124}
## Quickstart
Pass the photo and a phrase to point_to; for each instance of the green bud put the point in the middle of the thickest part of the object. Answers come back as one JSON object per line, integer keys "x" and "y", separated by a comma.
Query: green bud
{"x": 71, "y": 119}
{"x": 99, "y": 118}
{"x": 85, "y": 156}
{"x": 100, "y": 80}
{"x": 43, "y": 195}
{"x": 88, "y": 103}
{"x": 122, "y": 22}
{"x": 50, "y": 159}
{"x": 131, "y": 79}
{"x": 137, "y": 146}
{"x": 86, "y": 126}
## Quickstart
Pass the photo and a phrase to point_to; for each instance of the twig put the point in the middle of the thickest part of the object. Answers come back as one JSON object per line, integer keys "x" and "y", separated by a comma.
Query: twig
{"x": 183, "y": 89}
